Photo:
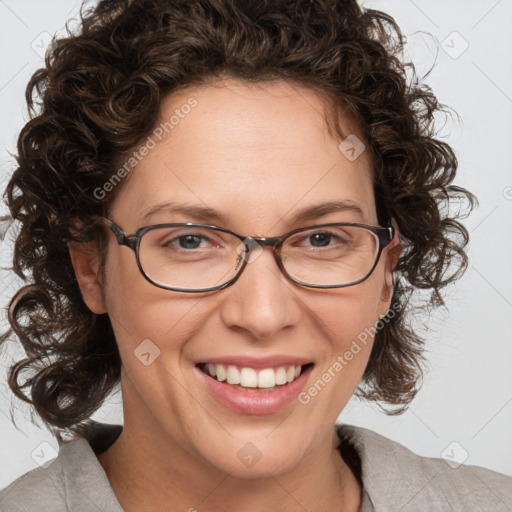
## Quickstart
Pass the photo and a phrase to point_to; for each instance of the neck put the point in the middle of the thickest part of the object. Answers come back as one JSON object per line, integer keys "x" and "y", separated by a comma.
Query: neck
{"x": 153, "y": 472}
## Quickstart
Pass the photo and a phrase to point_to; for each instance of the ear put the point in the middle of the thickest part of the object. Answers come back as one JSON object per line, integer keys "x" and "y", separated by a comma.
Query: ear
{"x": 393, "y": 252}
{"x": 86, "y": 263}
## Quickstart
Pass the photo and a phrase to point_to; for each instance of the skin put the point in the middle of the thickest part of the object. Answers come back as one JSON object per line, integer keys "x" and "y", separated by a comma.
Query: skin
{"x": 258, "y": 153}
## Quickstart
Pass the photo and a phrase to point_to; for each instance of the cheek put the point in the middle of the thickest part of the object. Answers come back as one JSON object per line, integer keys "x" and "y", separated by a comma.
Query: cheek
{"x": 345, "y": 323}
{"x": 350, "y": 311}
{"x": 348, "y": 320}
{"x": 141, "y": 311}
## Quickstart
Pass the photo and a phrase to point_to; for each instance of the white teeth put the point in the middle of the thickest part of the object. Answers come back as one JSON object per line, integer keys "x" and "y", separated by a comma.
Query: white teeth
{"x": 233, "y": 375}
{"x": 267, "y": 378}
{"x": 212, "y": 370}
{"x": 221, "y": 372}
{"x": 281, "y": 376}
{"x": 250, "y": 378}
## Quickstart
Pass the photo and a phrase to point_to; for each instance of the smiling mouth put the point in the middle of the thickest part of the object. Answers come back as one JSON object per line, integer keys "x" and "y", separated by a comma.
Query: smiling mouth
{"x": 250, "y": 379}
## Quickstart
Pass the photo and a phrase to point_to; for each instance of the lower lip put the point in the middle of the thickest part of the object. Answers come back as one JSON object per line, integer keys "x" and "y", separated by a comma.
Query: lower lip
{"x": 255, "y": 402}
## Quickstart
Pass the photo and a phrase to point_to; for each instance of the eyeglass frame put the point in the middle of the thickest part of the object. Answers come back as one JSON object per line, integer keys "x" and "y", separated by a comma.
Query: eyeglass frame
{"x": 384, "y": 235}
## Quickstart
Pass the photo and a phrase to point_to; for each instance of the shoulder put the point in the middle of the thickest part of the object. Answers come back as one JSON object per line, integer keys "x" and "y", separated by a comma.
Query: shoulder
{"x": 394, "y": 475}
{"x": 74, "y": 480}
{"x": 43, "y": 486}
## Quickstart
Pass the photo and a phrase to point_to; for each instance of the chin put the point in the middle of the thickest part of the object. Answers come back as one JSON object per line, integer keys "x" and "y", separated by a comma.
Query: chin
{"x": 256, "y": 459}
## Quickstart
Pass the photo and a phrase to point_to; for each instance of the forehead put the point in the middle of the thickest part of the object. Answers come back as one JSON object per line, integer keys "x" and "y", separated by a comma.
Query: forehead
{"x": 256, "y": 152}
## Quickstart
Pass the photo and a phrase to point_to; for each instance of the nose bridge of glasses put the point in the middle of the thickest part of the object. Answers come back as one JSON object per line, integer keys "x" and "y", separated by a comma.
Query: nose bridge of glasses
{"x": 265, "y": 241}
{"x": 254, "y": 247}
{"x": 255, "y": 244}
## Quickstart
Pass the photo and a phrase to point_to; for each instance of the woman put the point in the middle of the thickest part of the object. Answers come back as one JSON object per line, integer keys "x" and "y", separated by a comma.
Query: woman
{"x": 225, "y": 206}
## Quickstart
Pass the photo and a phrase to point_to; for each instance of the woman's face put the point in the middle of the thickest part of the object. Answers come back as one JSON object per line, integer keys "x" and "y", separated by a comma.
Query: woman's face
{"x": 258, "y": 155}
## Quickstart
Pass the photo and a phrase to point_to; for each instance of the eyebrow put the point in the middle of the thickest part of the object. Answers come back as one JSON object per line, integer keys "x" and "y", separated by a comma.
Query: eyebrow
{"x": 212, "y": 215}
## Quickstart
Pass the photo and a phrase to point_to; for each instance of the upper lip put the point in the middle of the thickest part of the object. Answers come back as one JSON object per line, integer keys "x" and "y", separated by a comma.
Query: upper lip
{"x": 260, "y": 363}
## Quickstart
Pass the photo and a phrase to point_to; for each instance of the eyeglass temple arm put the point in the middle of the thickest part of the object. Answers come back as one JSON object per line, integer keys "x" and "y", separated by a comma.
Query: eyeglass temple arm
{"x": 120, "y": 235}
{"x": 386, "y": 235}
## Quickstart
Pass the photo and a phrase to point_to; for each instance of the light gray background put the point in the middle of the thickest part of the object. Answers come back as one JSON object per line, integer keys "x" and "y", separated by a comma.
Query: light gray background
{"x": 464, "y": 410}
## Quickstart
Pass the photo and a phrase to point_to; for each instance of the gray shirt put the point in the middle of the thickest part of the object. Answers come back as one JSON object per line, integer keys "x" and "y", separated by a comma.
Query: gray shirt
{"x": 393, "y": 479}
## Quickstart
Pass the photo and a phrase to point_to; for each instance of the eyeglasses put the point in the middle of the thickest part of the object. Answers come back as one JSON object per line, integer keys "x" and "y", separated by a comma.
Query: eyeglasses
{"x": 190, "y": 257}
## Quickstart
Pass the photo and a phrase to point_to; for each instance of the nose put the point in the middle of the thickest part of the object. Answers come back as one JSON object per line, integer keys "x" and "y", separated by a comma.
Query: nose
{"x": 262, "y": 301}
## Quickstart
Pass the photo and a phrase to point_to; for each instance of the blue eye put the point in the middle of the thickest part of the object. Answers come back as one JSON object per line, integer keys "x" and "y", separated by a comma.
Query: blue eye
{"x": 189, "y": 241}
{"x": 320, "y": 239}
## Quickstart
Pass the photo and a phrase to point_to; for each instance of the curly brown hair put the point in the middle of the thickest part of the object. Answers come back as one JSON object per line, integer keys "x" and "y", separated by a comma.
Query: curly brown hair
{"x": 99, "y": 95}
